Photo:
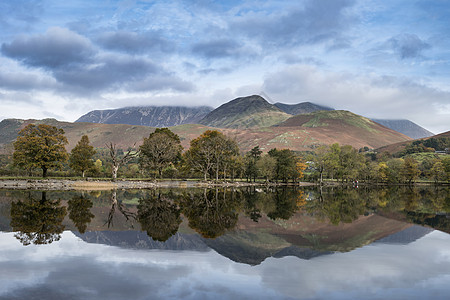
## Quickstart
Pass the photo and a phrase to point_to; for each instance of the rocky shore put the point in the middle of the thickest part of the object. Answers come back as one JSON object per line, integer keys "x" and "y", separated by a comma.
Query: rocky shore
{"x": 65, "y": 184}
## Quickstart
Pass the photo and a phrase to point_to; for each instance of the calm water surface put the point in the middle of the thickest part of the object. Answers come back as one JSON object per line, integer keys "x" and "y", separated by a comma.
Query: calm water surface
{"x": 226, "y": 244}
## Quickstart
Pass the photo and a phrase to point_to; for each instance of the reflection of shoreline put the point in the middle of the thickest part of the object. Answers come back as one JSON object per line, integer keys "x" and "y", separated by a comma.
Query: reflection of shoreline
{"x": 88, "y": 185}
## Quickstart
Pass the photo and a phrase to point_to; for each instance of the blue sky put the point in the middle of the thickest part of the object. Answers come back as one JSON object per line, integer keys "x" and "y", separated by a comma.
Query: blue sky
{"x": 380, "y": 59}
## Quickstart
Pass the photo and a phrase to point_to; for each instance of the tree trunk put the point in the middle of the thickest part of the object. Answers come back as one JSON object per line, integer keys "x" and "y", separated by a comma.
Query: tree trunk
{"x": 115, "y": 169}
{"x": 82, "y": 174}
{"x": 44, "y": 172}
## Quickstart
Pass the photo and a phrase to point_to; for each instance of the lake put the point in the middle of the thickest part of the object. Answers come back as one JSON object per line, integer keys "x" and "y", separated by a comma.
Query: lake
{"x": 247, "y": 243}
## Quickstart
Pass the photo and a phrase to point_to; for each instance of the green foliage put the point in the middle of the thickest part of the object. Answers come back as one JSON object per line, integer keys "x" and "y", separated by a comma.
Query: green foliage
{"x": 40, "y": 146}
{"x": 160, "y": 150}
{"x": 425, "y": 145}
{"x": 81, "y": 156}
{"x": 286, "y": 164}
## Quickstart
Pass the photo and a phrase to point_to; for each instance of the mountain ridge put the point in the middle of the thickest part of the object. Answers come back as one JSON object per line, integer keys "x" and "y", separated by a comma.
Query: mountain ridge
{"x": 153, "y": 116}
{"x": 245, "y": 112}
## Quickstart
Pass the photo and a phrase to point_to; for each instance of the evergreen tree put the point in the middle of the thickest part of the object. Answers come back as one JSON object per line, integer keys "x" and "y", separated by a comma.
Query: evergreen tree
{"x": 81, "y": 156}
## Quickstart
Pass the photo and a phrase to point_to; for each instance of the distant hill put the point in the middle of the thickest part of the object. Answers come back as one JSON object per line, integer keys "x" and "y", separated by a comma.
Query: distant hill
{"x": 338, "y": 126}
{"x": 154, "y": 116}
{"x": 245, "y": 112}
{"x": 299, "y": 133}
{"x": 301, "y": 108}
{"x": 397, "y": 147}
{"x": 406, "y": 127}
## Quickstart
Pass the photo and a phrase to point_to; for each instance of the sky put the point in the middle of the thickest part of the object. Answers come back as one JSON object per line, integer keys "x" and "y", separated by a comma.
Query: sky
{"x": 379, "y": 59}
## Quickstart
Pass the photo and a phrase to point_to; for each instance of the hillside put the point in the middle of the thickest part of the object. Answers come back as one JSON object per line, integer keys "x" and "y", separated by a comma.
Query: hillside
{"x": 245, "y": 112}
{"x": 406, "y": 127}
{"x": 337, "y": 126}
{"x": 301, "y": 108}
{"x": 299, "y": 133}
{"x": 154, "y": 116}
{"x": 397, "y": 147}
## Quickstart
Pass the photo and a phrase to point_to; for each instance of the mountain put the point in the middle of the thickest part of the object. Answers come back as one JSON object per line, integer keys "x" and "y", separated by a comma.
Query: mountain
{"x": 154, "y": 116}
{"x": 336, "y": 126}
{"x": 301, "y": 108}
{"x": 406, "y": 127}
{"x": 298, "y": 133}
{"x": 245, "y": 112}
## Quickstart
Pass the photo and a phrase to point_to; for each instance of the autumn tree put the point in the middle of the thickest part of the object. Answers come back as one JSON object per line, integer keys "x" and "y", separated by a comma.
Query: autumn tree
{"x": 40, "y": 146}
{"x": 211, "y": 152}
{"x": 81, "y": 156}
{"x": 410, "y": 169}
{"x": 160, "y": 150}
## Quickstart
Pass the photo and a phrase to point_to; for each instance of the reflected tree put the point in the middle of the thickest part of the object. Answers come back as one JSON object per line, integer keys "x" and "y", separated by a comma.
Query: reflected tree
{"x": 212, "y": 212}
{"x": 37, "y": 221}
{"x": 285, "y": 201}
{"x": 337, "y": 205}
{"x": 159, "y": 216}
{"x": 80, "y": 212}
{"x": 118, "y": 205}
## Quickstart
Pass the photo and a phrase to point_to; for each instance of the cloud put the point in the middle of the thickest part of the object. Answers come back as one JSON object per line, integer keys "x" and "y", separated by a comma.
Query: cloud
{"x": 408, "y": 45}
{"x": 25, "y": 81}
{"x": 369, "y": 95}
{"x": 217, "y": 48}
{"x": 57, "y": 48}
{"x": 315, "y": 22}
{"x": 133, "y": 42}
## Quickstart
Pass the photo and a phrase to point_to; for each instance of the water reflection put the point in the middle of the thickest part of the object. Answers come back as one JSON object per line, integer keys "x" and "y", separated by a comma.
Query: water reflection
{"x": 37, "y": 221}
{"x": 335, "y": 243}
{"x": 79, "y": 208}
{"x": 159, "y": 215}
{"x": 215, "y": 212}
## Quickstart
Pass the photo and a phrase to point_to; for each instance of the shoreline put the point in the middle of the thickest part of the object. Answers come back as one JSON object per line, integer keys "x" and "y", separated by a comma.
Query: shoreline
{"x": 91, "y": 184}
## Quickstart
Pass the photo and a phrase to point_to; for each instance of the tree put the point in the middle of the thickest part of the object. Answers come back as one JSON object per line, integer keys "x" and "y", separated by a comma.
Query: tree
{"x": 251, "y": 160}
{"x": 266, "y": 167}
{"x": 438, "y": 171}
{"x": 211, "y": 152}
{"x": 286, "y": 163}
{"x": 160, "y": 150}
{"x": 410, "y": 169}
{"x": 81, "y": 156}
{"x": 118, "y": 162}
{"x": 40, "y": 146}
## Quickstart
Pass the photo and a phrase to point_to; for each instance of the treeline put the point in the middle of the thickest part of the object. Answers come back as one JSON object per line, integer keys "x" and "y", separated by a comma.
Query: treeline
{"x": 214, "y": 156}
{"x": 211, "y": 156}
{"x": 345, "y": 164}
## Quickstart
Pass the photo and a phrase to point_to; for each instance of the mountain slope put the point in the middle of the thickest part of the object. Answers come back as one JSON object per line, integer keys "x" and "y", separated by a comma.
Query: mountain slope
{"x": 296, "y": 133}
{"x": 245, "y": 112}
{"x": 406, "y": 127}
{"x": 397, "y": 147}
{"x": 154, "y": 116}
{"x": 301, "y": 108}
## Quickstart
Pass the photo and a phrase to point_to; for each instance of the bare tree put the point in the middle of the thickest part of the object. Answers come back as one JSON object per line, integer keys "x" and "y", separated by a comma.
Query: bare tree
{"x": 118, "y": 162}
